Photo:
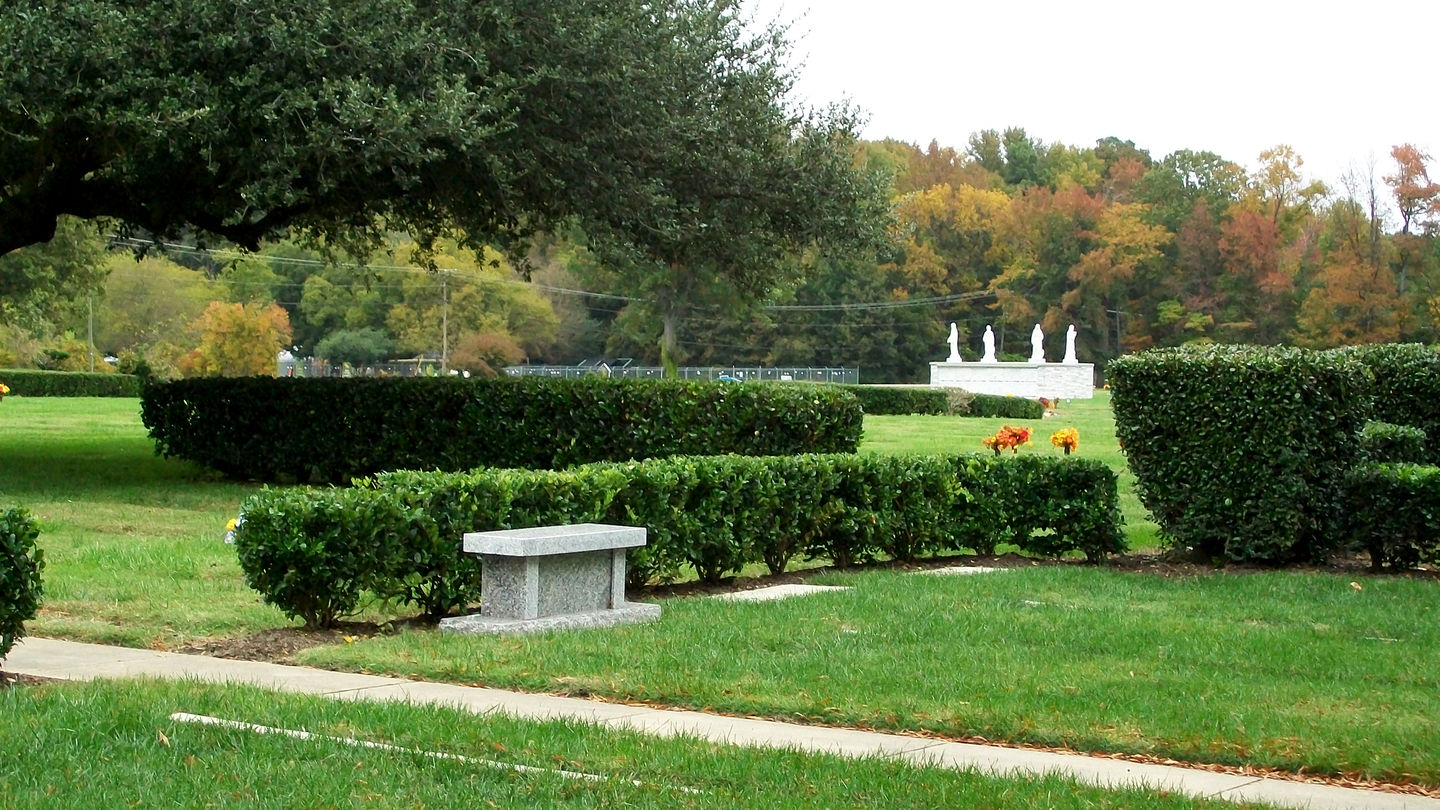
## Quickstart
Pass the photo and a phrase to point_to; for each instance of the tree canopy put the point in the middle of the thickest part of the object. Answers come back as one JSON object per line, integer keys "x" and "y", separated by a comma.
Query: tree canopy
{"x": 244, "y": 117}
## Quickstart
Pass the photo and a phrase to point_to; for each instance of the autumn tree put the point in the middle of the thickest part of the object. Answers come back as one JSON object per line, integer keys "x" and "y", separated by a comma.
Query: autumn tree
{"x": 1418, "y": 201}
{"x": 237, "y": 340}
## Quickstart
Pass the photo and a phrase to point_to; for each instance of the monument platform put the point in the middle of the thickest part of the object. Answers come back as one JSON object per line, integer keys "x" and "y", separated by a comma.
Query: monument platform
{"x": 1026, "y": 380}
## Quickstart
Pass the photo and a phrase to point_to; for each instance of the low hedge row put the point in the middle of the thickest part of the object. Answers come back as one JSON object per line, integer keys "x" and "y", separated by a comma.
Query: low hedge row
{"x": 20, "y": 565}
{"x": 332, "y": 430}
{"x": 36, "y": 383}
{"x": 996, "y": 407}
{"x": 899, "y": 400}
{"x": 1395, "y": 513}
{"x": 311, "y": 552}
{"x": 1241, "y": 452}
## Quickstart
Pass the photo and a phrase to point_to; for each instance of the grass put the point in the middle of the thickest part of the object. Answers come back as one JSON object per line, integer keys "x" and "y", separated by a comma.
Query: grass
{"x": 1286, "y": 670}
{"x": 1281, "y": 669}
{"x": 133, "y": 542}
{"x": 114, "y": 745}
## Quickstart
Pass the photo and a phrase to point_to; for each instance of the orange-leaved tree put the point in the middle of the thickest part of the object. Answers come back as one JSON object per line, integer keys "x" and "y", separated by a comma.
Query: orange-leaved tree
{"x": 237, "y": 340}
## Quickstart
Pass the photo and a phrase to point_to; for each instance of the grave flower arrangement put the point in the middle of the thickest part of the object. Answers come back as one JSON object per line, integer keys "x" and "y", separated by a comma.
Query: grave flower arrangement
{"x": 1066, "y": 438}
{"x": 1008, "y": 438}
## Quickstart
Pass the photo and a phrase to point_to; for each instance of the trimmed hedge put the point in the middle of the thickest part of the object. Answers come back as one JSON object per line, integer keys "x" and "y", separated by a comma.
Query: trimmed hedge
{"x": 311, "y": 552}
{"x": 332, "y": 430}
{"x": 1406, "y": 387}
{"x": 1241, "y": 452}
{"x": 898, "y": 400}
{"x": 1384, "y": 443}
{"x": 21, "y": 562}
{"x": 35, "y": 383}
{"x": 996, "y": 407}
{"x": 1396, "y": 513}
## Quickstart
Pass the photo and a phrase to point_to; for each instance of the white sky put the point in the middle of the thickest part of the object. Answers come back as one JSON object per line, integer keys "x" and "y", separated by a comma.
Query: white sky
{"x": 1342, "y": 81}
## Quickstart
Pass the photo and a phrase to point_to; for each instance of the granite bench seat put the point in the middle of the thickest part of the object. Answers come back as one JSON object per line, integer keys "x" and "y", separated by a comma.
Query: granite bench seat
{"x": 552, "y": 578}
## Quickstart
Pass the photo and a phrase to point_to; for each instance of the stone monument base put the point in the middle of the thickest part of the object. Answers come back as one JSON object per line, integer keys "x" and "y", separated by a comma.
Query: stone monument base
{"x": 481, "y": 625}
{"x": 1026, "y": 380}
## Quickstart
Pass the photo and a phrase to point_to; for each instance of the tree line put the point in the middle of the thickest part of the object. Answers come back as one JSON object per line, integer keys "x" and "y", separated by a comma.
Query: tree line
{"x": 550, "y": 180}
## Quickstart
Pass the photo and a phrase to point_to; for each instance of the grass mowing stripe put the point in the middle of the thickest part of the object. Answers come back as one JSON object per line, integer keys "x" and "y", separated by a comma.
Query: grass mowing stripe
{"x": 185, "y": 717}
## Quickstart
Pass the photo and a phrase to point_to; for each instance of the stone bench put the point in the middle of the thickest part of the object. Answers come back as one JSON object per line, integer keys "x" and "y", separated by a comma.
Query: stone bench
{"x": 552, "y": 578}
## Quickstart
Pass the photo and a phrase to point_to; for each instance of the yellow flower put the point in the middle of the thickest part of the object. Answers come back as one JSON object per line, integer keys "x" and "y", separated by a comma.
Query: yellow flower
{"x": 4, "y": 389}
{"x": 231, "y": 524}
{"x": 1066, "y": 438}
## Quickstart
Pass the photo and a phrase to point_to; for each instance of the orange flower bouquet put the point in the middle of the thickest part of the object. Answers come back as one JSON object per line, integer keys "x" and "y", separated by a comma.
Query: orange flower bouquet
{"x": 1008, "y": 438}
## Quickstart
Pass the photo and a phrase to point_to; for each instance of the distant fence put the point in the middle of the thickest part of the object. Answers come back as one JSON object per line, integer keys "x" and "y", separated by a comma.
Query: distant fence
{"x": 745, "y": 373}
{"x": 314, "y": 367}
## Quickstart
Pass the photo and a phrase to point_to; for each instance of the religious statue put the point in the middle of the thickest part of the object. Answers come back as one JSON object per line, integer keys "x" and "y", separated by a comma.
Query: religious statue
{"x": 1037, "y": 345}
{"x": 988, "y": 339}
{"x": 954, "y": 345}
{"x": 1070, "y": 346}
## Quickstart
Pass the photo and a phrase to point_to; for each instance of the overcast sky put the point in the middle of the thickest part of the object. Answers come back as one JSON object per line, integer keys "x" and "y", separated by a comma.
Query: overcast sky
{"x": 1341, "y": 82}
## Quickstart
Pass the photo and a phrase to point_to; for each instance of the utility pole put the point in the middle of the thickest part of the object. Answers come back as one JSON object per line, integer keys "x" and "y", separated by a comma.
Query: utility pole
{"x": 90, "y": 306}
{"x": 444, "y": 322}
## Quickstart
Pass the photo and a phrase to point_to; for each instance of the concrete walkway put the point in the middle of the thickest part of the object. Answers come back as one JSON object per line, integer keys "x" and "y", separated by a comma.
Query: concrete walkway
{"x": 71, "y": 661}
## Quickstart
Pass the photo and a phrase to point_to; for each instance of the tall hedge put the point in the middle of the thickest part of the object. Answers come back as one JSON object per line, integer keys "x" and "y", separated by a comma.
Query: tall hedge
{"x": 1406, "y": 387}
{"x": 36, "y": 383}
{"x": 331, "y": 430}
{"x": 21, "y": 562}
{"x": 1240, "y": 452}
{"x": 313, "y": 551}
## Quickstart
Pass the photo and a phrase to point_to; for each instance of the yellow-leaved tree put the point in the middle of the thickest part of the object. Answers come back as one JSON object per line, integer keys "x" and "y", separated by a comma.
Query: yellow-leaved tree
{"x": 237, "y": 340}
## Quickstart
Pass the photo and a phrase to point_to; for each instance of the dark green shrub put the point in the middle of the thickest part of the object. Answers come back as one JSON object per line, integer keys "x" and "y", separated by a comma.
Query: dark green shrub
{"x": 1396, "y": 513}
{"x": 1043, "y": 505}
{"x": 313, "y": 552}
{"x": 35, "y": 383}
{"x": 433, "y": 572}
{"x": 21, "y": 562}
{"x": 1406, "y": 387}
{"x": 991, "y": 406}
{"x": 1386, "y": 443}
{"x": 332, "y": 430}
{"x": 894, "y": 399}
{"x": 1240, "y": 452}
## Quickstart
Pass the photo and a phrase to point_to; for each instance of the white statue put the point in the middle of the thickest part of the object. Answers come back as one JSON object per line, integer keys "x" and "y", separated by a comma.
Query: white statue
{"x": 1037, "y": 345}
{"x": 988, "y": 339}
{"x": 1070, "y": 346}
{"x": 954, "y": 345}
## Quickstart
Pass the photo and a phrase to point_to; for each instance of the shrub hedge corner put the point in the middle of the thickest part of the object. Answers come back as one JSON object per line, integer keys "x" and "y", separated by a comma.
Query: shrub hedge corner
{"x": 21, "y": 562}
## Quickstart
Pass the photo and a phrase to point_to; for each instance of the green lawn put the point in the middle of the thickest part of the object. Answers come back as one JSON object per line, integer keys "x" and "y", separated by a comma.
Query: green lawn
{"x": 1286, "y": 670}
{"x": 114, "y": 745}
{"x": 1282, "y": 669}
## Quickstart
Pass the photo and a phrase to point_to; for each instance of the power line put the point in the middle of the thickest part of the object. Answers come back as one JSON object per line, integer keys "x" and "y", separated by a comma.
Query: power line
{"x": 870, "y": 305}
